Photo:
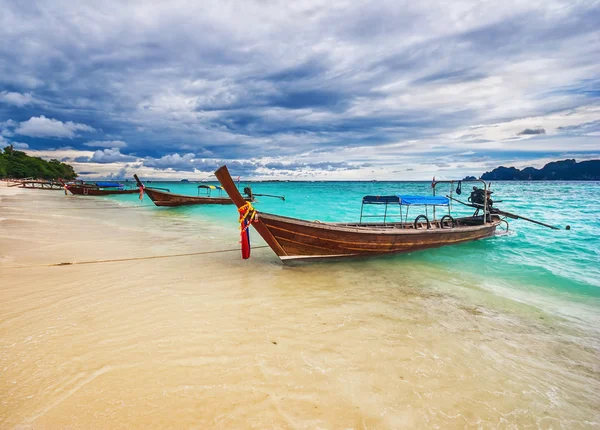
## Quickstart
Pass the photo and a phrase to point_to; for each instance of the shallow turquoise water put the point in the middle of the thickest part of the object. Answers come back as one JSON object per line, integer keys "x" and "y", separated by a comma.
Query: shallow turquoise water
{"x": 529, "y": 259}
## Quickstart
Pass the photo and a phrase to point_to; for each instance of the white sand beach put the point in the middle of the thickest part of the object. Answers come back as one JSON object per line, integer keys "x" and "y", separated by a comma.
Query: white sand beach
{"x": 211, "y": 341}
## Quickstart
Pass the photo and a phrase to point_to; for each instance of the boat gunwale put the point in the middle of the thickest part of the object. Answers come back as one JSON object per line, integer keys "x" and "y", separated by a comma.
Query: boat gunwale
{"x": 383, "y": 230}
{"x": 153, "y": 190}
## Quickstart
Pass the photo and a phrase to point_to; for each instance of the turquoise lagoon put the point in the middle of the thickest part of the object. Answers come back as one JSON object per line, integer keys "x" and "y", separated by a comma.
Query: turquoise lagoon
{"x": 529, "y": 263}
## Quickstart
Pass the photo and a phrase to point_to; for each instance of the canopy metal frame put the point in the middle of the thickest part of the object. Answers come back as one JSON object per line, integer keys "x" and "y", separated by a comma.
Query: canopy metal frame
{"x": 387, "y": 200}
{"x": 209, "y": 189}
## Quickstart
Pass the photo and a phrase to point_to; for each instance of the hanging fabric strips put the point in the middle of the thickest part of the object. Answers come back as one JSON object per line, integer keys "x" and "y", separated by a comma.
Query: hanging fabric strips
{"x": 65, "y": 186}
{"x": 141, "y": 192}
{"x": 247, "y": 216}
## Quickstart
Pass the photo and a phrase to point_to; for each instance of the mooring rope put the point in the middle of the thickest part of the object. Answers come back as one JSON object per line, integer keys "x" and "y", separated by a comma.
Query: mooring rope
{"x": 119, "y": 260}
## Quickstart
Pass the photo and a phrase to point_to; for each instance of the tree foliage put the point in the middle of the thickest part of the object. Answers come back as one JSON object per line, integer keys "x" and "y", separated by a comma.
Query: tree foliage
{"x": 17, "y": 164}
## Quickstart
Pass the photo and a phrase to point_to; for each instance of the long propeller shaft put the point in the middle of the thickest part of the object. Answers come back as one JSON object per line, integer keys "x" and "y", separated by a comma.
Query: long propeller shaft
{"x": 507, "y": 214}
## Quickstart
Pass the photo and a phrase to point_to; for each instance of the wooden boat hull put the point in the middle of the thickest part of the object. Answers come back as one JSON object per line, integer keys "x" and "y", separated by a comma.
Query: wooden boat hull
{"x": 299, "y": 239}
{"x": 163, "y": 198}
{"x": 91, "y": 191}
{"x": 292, "y": 238}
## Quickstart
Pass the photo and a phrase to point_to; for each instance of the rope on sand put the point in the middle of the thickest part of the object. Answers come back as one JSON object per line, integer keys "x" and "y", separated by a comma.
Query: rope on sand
{"x": 118, "y": 260}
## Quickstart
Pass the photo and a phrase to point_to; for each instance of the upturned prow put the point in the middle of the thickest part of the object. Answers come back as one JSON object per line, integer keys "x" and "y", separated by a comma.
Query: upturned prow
{"x": 228, "y": 185}
{"x": 232, "y": 191}
{"x": 138, "y": 180}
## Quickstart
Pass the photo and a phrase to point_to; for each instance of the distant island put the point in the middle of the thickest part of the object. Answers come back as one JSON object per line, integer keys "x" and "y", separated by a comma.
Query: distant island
{"x": 18, "y": 165}
{"x": 565, "y": 170}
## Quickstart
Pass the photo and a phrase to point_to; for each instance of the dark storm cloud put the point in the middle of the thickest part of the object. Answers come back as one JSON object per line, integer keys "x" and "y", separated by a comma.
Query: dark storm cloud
{"x": 532, "y": 131}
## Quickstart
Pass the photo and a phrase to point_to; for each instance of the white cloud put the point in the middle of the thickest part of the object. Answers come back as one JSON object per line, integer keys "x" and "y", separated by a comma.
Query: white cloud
{"x": 6, "y": 128}
{"x": 120, "y": 174}
{"x": 17, "y": 99}
{"x": 16, "y": 145}
{"x": 8, "y": 123}
{"x": 174, "y": 161}
{"x": 106, "y": 144}
{"x": 49, "y": 127}
{"x": 552, "y": 124}
{"x": 4, "y": 142}
{"x": 110, "y": 155}
{"x": 59, "y": 153}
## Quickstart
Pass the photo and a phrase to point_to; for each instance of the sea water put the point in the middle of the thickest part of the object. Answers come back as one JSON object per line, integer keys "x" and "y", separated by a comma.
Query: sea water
{"x": 530, "y": 256}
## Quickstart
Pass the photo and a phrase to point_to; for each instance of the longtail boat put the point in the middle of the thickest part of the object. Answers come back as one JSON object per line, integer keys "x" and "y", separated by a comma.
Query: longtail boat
{"x": 292, "y": 238}
{"x": 163, "y": 196}
{"x": 98, "y": 189}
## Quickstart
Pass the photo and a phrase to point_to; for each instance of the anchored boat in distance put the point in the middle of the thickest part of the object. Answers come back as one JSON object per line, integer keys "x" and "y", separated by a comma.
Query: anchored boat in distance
{"x": 164, "y": 197}
{"x": 97, "y": 188}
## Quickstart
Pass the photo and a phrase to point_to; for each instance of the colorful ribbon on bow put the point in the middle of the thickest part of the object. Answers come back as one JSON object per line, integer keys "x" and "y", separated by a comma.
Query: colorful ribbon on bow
{"x": 247, "y": 216}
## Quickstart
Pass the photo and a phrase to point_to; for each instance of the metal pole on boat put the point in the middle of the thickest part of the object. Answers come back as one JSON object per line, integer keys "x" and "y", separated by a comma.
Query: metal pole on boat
{"x": 433, "y": 205}
{"x": 270, "y": 195}
{"x": 515, "y": 216}
{"x": 385, "y": 212}
{"x": 485, "y": 194}
{"x": 361, "y": 212}
{"x": 401, "y": 221}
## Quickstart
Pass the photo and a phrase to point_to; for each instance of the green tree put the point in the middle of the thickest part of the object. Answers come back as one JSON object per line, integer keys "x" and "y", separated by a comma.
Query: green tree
{"x": 17, "y": 164}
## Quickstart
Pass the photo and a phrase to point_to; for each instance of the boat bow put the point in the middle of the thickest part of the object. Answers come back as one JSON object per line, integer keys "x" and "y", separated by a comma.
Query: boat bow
{"x": 232, "y": 191}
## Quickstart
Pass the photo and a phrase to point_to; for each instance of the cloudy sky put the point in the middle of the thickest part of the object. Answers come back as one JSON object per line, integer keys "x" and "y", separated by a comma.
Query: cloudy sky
{"x": 300, "y": 89}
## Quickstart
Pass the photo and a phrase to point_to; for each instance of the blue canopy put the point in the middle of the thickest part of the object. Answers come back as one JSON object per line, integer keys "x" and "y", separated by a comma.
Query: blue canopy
{"x": 424, "y": 200}
{"x": 108, "y": 184}
{"x": 210, "y": 187}
{"x": 380, "y": 200}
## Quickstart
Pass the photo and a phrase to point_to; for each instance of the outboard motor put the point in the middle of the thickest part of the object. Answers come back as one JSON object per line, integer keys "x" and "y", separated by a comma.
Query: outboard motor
{"x": 478, "y": 197}
{"x": 248, "y": 192}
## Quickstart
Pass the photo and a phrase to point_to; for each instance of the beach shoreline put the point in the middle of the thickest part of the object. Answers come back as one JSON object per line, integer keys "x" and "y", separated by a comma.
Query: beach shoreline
{"x": 214, "y": 341}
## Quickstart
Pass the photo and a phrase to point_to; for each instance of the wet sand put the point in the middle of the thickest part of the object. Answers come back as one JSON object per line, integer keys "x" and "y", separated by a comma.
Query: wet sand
{"x": 211, "y": 341}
